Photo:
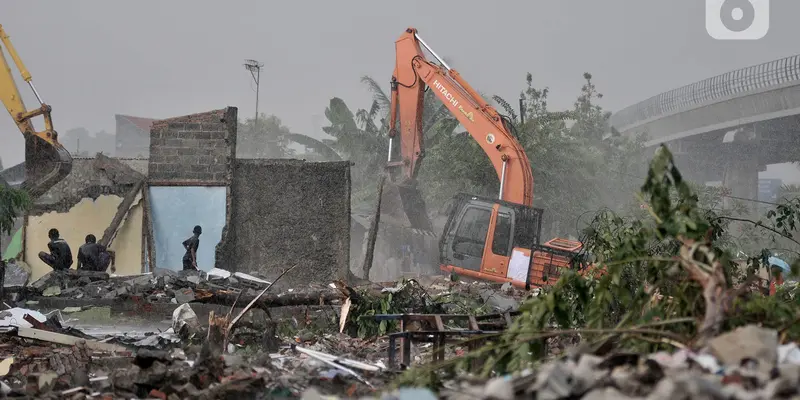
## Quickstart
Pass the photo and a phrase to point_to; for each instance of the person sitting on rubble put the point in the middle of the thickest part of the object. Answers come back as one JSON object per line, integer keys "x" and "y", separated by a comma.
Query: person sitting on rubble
{"x": 60, "y": 256}
{"x": 93, "y": 256}
{"x": 191, "y": 244}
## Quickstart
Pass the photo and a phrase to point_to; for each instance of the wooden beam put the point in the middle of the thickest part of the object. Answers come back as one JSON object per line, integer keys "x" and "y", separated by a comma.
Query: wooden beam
{"x": 122, "y": 211}
{"x": 117, "y": 171}
{"x": 189, "y": 183}
{"x": 373, "y": 231}
{"x": 68, "y": 340}
{"x": 143, "y": 235}
{"x": 148, "y": 220}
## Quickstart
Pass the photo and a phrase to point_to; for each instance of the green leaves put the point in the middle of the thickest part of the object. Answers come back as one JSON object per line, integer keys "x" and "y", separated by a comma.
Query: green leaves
{"x": 12, "y": 204}
{"x": 268, "y": 138}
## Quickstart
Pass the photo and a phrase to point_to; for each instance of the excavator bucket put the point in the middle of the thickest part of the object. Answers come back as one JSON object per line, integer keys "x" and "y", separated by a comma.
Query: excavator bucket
{"x": 402, "y": 205}
{"x": 45, "y": 165}
{"x": 404, "y": 241}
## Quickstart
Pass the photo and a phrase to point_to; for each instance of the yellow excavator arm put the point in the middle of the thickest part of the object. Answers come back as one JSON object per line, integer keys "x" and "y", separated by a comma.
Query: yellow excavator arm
{"x": 46, "y": 161}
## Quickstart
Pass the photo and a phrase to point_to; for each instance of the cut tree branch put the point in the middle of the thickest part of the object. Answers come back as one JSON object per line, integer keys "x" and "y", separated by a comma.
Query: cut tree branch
{"x": 761, "y": 225}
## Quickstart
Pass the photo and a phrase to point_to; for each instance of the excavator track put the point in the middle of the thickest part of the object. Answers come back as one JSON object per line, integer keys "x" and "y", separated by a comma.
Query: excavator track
{"x": 45, "y": 164}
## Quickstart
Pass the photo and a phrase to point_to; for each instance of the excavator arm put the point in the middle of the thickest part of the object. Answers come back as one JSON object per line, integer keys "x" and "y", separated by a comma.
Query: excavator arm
{"x": 50, "y": 162}
{"x": 496, "y": 239}
{"x": 412, "y": 73}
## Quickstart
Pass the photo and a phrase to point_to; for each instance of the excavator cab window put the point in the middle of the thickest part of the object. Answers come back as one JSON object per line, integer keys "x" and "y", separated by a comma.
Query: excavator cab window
{"x": 470, "y": 236}
{"x": 501, "y": 244}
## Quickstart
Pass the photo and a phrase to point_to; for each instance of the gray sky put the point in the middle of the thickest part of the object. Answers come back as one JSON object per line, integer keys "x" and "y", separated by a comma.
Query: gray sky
{"x": 91, "y": 59}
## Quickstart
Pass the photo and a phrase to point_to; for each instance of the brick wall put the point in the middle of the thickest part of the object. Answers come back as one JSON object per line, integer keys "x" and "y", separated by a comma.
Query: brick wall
{"x": 193, "y": 148}
{"x": 288, "y": 212}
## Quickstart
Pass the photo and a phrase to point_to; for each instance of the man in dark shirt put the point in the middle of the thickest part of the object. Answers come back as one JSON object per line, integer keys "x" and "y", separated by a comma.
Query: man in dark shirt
{"x": 93, "y": 256}
{"x": 191, "y": 244}
{"x": 60, "y": 256}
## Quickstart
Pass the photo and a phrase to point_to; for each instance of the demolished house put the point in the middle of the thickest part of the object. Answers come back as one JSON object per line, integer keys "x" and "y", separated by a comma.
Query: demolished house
{"x": 258, "y": 216}
{"x": 87, "y": 201}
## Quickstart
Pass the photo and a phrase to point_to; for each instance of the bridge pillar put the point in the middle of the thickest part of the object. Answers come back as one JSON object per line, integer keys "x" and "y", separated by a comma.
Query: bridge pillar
{"x": 698, "y": 164}
{"x": 740, "y": 176}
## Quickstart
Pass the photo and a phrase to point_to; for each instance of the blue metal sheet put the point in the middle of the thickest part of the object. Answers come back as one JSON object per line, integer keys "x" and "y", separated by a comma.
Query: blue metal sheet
{"x": 176, "y": 210}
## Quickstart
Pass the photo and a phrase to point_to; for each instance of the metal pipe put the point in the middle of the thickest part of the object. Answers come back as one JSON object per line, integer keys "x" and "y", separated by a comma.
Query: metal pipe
{"x": 30, "y": 83}
{"x": 389, "y": 159}
{"x": 502, "y": 179}
{"x": 436, "y": 56}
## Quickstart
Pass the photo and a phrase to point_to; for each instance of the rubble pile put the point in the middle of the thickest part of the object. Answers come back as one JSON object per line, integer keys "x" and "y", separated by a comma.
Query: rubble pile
{"x": 157, "y": 287}
{"x": 253, "y": 359}
{"x": 747, "y": 363}
{"x": 228, "y": 356}
{"x": 33, "y": 368}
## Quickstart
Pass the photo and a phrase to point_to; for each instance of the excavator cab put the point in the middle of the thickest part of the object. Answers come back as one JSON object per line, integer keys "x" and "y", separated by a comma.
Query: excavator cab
{"x": 490, "y": 239}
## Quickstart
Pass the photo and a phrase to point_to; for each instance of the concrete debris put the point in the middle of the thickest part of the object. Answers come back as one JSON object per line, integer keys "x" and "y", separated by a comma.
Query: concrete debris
{"x": 747, "y": 343}
{"x": 276, "y": 355}
{"x": 295, "y": 354}
{"x": 185, "y": 322}
{"x": 161, "y": 286}
{"x": 15, "y": 317}
{"x": 744, "y": 355}
{"x": 17, "y": 274}
{"x": 498, "y": 301}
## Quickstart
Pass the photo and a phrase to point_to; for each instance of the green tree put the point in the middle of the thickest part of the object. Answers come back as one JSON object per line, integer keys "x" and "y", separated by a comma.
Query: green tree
{"x": 577, "y": 167}
{"x": 266, "y": 139}
{"x": 359, "y": 139}
{"x": 13, "y": 203}
{"x": 362, "y": 136}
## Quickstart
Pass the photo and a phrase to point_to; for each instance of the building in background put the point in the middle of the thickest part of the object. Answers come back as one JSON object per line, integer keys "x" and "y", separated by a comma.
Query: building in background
{"x": 13, "y": 176}
{"x": 133, "y": 136}
{"x": 769, "y": 189}
{"x": 81, "y": 143}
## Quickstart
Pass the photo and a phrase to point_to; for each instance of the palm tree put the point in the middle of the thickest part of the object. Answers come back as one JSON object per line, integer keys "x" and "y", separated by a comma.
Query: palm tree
{"x": 436, "y": 119}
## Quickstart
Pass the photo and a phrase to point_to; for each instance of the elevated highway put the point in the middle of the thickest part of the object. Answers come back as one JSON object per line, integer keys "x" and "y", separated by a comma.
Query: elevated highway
{"x": 728, "y": 127}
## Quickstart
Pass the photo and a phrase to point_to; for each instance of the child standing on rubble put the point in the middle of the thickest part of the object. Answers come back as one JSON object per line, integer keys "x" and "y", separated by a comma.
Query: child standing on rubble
{"x": 191, "y": 244}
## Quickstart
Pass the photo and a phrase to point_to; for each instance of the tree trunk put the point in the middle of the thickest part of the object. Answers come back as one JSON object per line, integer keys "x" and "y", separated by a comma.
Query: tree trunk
{"x": 372, "y": 235}
{"x": 294, "y": 298}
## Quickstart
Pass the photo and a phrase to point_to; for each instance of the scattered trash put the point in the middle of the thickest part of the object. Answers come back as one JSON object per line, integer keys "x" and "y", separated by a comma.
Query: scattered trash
{"x": 16, "y": 317}
{"x": 232, "y": 353}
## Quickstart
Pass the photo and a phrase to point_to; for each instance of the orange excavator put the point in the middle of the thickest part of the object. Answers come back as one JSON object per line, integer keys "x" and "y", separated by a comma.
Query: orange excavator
{"x": 46, "y": 161}
{"x": 495, "y": 239}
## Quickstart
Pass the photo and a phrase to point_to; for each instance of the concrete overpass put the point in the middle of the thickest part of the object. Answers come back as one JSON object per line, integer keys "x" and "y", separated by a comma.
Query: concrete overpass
{"x": 728, "y": 127}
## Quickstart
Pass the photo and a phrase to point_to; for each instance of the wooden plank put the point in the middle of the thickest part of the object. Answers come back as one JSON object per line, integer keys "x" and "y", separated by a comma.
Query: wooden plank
{"x": 151, "y": 242}
{"x": 372, "y": 235}
{"x": 188, "y": 183}
{"x": 122, "y": 211}
{"x": 473, "y": 323}
{"x": 143, "y": 256}
{"x": 439, "y": 323}
{"x": 24, "y": 238}
{"x": 68, "y": 340}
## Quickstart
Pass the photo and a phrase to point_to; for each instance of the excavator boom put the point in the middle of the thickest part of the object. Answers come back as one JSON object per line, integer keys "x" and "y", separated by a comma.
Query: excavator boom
{"x": 411, "y": 74}
{"x": 47, "y": 161}
{"x": 495, "y": 239}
